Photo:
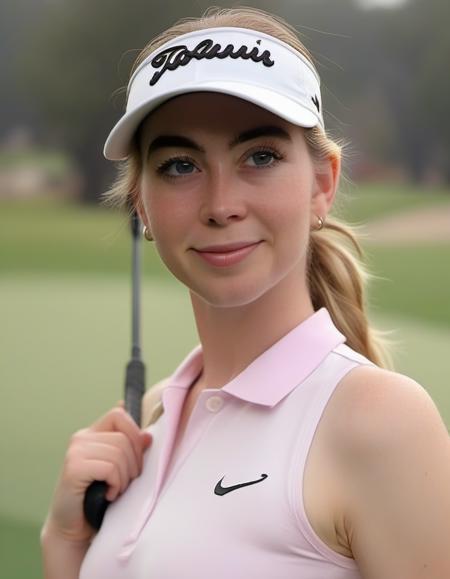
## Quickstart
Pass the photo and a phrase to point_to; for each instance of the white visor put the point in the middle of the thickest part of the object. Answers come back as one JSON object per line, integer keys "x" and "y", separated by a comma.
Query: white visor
{"x": 239, "y": 62}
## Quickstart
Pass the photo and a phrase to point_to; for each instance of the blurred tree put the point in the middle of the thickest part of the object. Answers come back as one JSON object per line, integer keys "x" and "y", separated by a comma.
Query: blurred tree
{"x": 433, "y": 80}
{"x": 378, "y": 67}
{"x": 417, "y": 49}
{"x": 14, "y": 107}
{"x": 70, "y": 71}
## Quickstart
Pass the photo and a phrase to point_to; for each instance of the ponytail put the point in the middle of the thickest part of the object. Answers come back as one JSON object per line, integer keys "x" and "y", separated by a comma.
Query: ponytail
{"x": 337, "y": 280}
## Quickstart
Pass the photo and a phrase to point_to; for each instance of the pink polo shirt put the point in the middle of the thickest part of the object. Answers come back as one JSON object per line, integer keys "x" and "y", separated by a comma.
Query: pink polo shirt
{"x": 228, "y": 503}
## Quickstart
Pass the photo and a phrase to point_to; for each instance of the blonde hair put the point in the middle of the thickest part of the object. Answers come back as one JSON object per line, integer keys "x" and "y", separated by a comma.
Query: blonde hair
{"x": 336, "y": 276}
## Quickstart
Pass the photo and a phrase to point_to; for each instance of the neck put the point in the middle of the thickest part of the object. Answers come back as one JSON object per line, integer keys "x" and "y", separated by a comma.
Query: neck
{"x": 233, "y": 337}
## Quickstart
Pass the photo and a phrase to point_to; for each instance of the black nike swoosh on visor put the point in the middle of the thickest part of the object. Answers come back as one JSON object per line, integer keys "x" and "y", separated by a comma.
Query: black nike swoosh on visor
{"x": 220, "y": 490}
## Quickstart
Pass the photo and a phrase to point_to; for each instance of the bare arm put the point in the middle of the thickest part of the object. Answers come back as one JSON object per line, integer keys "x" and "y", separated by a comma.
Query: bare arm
{"x": 397, "y": 452}
{"x": 59, "y": 553}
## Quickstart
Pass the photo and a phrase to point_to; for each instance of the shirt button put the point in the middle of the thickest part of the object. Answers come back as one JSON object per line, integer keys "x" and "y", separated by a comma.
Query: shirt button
{"x": 214, "y": 403}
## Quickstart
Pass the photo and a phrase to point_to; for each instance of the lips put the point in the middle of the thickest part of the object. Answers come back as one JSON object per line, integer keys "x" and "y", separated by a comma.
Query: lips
{"x": 227, "y": 255}
{"x": 227, "y": 247}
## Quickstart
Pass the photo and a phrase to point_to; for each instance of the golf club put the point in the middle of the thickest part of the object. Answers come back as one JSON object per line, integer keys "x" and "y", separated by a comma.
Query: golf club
{"x": 95, "y": 502}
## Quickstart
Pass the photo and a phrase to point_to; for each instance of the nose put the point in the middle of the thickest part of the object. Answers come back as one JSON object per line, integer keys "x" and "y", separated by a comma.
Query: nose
{"x": 223, "y": 200}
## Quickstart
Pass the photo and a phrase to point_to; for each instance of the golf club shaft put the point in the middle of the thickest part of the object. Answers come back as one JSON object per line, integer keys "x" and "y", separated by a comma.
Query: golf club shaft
{"x": 135, "y": 372}
{"x": 95, "y": 502}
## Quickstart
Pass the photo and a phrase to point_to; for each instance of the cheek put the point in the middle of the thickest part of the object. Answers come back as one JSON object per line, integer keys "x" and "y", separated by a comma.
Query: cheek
{"x": 291, "y": 218}
{"x": 293, "y": 202}
{"x": 171, "y": 224}
{"x": 167, "y": 211}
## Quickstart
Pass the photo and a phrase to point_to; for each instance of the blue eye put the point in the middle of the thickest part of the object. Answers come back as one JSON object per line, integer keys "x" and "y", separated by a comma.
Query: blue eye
{"x": 176, "y": 167}
{"x": 264, "y": 158}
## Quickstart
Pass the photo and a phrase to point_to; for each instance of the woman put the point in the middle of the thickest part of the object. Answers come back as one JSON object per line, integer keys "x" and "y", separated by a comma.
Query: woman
{"x": 281, "y": 446}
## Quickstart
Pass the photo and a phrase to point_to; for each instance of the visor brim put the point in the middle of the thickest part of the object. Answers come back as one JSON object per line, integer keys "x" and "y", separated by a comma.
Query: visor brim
{"x": 117, "y": 145}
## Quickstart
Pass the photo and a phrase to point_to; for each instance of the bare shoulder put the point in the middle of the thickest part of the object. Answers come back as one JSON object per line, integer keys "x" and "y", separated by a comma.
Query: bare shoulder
{"x": 377, "y": 404}
{"x": 394, "y": 456}
{"x": 151, "y": 401}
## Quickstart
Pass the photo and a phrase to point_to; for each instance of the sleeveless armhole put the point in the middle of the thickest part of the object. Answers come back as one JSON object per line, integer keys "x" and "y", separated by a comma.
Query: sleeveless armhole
{"x": 341, "y": 361}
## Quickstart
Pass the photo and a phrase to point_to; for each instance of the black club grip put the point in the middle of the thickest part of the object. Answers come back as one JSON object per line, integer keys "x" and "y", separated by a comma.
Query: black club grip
{"x": 95, "y": 503}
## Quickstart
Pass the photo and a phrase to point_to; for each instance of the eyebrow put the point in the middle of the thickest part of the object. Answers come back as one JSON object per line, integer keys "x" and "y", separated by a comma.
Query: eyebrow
{"x": 264, "y": 131}
{"x": 165, "y": 141}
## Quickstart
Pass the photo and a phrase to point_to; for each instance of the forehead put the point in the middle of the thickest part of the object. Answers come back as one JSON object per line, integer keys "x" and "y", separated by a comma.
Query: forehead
{"x": 214, "y": 111}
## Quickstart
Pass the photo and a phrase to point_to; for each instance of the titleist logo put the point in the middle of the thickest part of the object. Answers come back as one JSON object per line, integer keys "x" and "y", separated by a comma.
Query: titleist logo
{"x": 172, "y": 58}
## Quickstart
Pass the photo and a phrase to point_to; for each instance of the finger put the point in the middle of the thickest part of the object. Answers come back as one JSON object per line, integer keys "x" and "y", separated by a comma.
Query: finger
{"x": 102, "y": 470}
{"x": 114, "y": 455}
{"x": 89, "y": 441}
{"x": 118, "y": 420}
{"x": 78, "y": 474}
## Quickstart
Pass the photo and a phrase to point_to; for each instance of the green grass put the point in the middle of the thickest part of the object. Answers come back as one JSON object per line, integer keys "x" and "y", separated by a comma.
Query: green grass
{"x": 413, "y": 281}
{"x": 362, "y": 203}
{"x": 48, "y": 236}
{"x": 19, "y": 549}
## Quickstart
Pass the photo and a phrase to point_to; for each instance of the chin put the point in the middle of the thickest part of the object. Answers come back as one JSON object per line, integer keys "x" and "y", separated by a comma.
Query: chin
{"x": 225, "y": 302}
{"x": 228, "y": 295}
{"x": 234, "y": 289}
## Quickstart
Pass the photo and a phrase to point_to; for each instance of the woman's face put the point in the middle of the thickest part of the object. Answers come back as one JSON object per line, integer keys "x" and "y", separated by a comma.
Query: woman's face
{"x": 219, "y": 170}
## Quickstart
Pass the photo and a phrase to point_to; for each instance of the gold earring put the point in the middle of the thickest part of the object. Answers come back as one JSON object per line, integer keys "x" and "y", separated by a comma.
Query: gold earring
{"x": 147, "y": 233}
{"x": 320, "y": 223}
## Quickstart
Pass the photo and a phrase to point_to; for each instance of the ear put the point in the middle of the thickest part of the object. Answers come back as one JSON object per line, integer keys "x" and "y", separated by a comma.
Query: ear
{"x": 139, "y": 206}
{"x": 327, "y": 174}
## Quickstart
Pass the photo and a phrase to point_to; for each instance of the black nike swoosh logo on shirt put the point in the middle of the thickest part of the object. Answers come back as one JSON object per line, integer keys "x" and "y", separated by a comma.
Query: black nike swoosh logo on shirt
{"x": 220, "y": 490}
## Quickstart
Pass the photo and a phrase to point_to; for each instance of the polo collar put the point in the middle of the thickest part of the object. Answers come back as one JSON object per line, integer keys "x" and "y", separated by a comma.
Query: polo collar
{"x": 279, "y": 369}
